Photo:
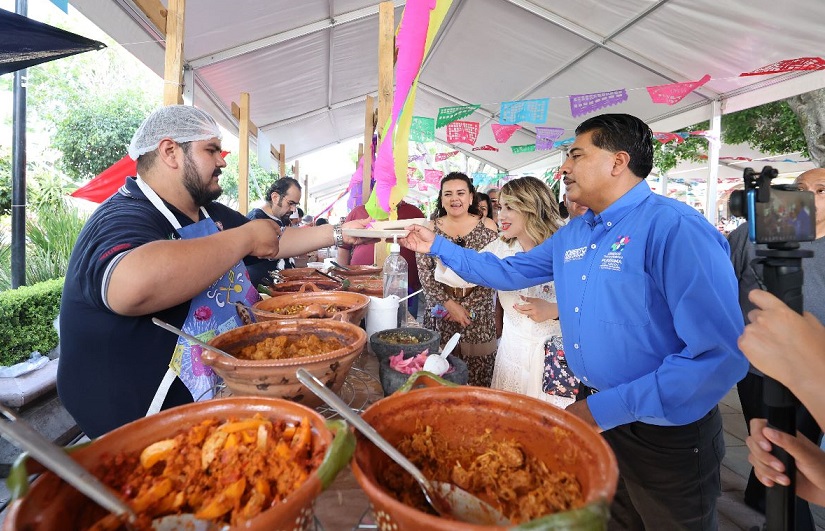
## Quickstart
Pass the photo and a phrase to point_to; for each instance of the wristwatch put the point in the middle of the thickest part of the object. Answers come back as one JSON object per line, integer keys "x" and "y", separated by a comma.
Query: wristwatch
{"x": 338, "y": 235}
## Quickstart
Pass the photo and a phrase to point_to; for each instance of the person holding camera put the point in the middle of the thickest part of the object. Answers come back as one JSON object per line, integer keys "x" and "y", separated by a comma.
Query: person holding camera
{"x": 647, "y": 302}
{"x": 748, "y": 273}
{"x": 789, "y": 348}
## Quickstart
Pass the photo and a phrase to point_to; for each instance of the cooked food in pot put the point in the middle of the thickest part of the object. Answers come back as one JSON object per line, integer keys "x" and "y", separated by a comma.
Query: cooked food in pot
{"x": 223, "y": 472}
{"x": 499, "y": 472}
{"x": 402, "y": 338}
{"x": 283, "y": 347}
{"x": 294, "y": 309}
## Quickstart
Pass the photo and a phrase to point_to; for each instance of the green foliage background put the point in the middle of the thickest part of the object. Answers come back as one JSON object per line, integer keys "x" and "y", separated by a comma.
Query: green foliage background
{"x": 26, "y": 320}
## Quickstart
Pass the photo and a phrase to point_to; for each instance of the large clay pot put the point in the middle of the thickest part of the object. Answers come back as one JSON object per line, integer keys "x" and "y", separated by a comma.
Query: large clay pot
{"x": 276, "y": 378}
{"x": 357, "y": 270}
{"x": 302, "y": 285}
{"x": 461, "y": 413}
{"x": 354, "y": 304}
{"x": 52, "y": 504}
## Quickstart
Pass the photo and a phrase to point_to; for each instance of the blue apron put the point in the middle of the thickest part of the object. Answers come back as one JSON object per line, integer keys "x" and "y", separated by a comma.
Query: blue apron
{"x": 210, "y": 313}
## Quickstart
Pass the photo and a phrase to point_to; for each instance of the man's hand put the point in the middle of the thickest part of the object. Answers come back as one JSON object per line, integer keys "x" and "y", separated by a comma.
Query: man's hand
{"x": 420, "y": 239}
{"x": 263, "y": 236}
{"x": 539, "y": 310}
{"x": 582, "y": 410}
{"x": 357, "y": 224}
{"x": 810, "y": 461}
{"x": 457, "y": 313}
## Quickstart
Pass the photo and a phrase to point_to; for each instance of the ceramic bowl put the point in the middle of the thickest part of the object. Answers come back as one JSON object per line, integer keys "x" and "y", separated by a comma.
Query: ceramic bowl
{"x": 52, "y": 504}
{"x": 276, "y": 378}
{"x": 298, "y": 273}
{"x": 368, "y": 285}
{"x": 382, "y": 345}
{"x": 391, "y": 379}
{"x": 357, "y": 270}
{"x": 554, "y": 436}
{"x": 302, "y": 285}
{"x": 354, "y": 306}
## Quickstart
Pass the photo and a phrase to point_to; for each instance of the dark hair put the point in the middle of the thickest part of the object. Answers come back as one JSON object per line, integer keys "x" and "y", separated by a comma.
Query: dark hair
{"x": 321, "y": 221}
{"x": 457, "y": 176}
{"x": 623, "y": 132}
{"x": 287, "y": 218}
{"x": 145, "y": 161}
{"x": 481, "y": 197}
{"x": 281, "y": 187}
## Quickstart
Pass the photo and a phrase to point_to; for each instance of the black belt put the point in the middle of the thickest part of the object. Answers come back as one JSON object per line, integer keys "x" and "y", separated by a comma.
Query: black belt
{"x": 585, "y": 391}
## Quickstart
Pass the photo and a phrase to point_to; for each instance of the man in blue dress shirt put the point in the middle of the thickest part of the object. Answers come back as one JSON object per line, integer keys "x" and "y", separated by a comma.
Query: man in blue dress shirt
{"x": 650, "y": 318}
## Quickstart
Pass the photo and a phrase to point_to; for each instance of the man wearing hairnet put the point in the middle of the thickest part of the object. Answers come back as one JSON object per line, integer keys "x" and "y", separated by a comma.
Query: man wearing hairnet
{"x": 161, "y": 247}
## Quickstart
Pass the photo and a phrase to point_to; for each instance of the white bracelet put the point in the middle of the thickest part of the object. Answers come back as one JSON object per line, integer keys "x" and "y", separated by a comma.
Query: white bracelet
{"x": 337, "y": 235}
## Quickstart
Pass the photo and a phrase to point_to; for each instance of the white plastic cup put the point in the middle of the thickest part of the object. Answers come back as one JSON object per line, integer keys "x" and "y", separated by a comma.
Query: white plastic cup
{"x": 382, "y": 314}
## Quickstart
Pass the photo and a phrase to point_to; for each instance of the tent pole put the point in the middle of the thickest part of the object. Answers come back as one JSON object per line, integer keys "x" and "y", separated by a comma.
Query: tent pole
{"x": 714, "y": 144}
{"x": 18, "y": 158}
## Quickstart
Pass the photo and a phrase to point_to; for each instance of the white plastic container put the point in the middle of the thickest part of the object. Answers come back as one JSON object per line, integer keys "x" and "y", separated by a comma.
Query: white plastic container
{"x": 381, "y": 314}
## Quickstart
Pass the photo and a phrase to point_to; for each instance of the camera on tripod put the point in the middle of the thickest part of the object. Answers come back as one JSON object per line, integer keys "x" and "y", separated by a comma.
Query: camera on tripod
{"x": 776, "y": 213}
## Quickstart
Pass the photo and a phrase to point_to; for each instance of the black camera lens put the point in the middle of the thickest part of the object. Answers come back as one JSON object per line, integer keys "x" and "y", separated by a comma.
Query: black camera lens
{"x": 737, "y": 204}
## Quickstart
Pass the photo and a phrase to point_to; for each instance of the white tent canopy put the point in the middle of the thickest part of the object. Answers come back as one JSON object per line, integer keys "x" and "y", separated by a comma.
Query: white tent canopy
{"x": 308, "y": 65}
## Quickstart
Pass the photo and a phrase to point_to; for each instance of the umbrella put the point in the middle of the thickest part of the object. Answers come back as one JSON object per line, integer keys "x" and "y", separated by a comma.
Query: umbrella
{"x": 25, "y": 42}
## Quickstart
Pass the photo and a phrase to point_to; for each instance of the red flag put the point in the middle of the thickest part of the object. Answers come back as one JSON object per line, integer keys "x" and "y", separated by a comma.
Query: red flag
{"x": 460, "y": 131}
{"x": 788, "y": 65}
{"x": 439, "y": 157}
{"x": 504, "y": 132}
{"x": 675, "y": 92}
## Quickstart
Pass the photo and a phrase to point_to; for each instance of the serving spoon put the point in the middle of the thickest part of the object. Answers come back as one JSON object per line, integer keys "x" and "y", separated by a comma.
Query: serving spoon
{"x": 447, "y": 499}
{"x": 191, "y": 338}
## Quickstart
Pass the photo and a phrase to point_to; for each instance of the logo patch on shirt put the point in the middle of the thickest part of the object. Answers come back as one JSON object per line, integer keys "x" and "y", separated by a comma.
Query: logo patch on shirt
{"x": 574, "y": 254}
{"x": 613, "y": 260}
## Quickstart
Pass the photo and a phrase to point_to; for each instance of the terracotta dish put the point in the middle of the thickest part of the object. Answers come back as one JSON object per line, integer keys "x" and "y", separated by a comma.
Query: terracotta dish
{"x": 52, "y": 504}
{"x": 559, "y": 439}
{"x": 368, "y": 285}
{"x": 316, "y": 305}
{"x": 357, "y": 270}
{"x": 300, "y": 286}
{"x": 276, "y": 378}
{"x": 300, "y": 273}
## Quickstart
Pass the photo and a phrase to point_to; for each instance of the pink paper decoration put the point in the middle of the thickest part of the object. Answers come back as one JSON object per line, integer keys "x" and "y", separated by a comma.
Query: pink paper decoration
{"x": 673, "y": 93}
{"x": 433, "y": 177}
{"x": 581, "y": 104}
{"x": 504, "y": 132}
{"x": 462, "y": 132}
{"x": 410, "y": 172}
{"x": 444, "y": 156}
{"x": 788, "y": 65}
{"x": 664, "y": 138}
{"x": 485, "y": 147}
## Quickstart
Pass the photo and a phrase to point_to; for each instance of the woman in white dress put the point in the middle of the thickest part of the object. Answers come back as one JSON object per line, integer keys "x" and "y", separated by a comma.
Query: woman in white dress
{"x": 528, "y": 215}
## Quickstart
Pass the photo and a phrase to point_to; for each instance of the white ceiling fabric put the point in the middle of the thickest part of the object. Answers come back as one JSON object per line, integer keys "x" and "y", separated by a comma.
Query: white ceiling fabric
{"x": 308, "y": 65}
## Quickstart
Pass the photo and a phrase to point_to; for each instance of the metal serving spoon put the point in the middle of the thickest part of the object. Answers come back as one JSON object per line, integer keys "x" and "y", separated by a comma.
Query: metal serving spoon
{"x": 447, "y": 499}
{"x": 190, "y": 337}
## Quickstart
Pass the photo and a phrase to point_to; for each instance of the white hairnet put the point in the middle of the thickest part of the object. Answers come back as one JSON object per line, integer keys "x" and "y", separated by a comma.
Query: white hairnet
{"x": 181, "y": 123}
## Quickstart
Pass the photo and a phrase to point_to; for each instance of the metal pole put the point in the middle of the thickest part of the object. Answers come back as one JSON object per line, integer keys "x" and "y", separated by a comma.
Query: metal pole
{"x": 18, "y": 163}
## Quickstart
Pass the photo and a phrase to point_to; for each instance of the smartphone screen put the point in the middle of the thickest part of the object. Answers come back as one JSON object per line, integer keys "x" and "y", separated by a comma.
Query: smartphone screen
{"x": 789, "y": 216}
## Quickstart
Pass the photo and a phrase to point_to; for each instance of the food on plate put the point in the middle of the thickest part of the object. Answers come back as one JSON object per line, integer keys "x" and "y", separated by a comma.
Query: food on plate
{"x": 499, "y": 472}
{"x": 225, "y": 472}
{"x": 284, "y": 347}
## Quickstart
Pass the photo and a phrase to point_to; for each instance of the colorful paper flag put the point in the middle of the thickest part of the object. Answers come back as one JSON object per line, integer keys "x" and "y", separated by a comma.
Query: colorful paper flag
{"x": 485, "y": 147}
{"x": 546, "y": 136}
{"x": 439, "y": 157}
{"x": 422, "y": 129}
{"x": 411, "y": 173}
{"x": 788, "y": 65}
{"x": 502, "y": 133}
{"x": 530, "y": 111}
{"x": 447, "y": 115}
{"x": 433, "y": 177}
{"x": 462, "y": 132}
{"x": 673, "y": 93}
{"x": 416, "y": 158}
{"x": 664, "y": 138}
{"x": 527, "y": 148}
{"x": 581, "y": 104}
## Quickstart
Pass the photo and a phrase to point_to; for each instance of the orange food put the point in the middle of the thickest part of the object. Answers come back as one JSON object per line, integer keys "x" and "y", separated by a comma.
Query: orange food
{"x": 284, "y": 347}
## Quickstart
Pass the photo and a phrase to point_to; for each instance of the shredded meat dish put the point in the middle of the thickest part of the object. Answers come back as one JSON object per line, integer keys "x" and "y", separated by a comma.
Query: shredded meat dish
{"x": 223, "y": 472}
{"x": 498, "y": 472}
{"x": 295, "y": 309}
{"x": 283, "y": 347}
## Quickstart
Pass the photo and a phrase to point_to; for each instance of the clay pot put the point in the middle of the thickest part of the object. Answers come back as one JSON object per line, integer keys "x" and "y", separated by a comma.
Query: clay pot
{"x": 391, "y": 379}
{"x": 357, "y": 271}
{"x": 276, "y": 378}
{"x": 461, "y": 413}
{"x": 384, "y": 348}
{"x": 368, "y": 285}
{"x": 300, "y": 286}
{"x": 355, "y": 305}
{"x": 299, "y": 273}
{"x": 52, "y": 504}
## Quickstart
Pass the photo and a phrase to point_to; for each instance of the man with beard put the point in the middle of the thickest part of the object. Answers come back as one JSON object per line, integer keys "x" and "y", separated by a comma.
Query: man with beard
{"x": 161, "y": 247}
{"x": 281, "y": 200}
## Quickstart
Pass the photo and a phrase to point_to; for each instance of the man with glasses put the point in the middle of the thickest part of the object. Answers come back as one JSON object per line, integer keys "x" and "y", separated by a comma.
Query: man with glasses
{"x": 281, "y": 199}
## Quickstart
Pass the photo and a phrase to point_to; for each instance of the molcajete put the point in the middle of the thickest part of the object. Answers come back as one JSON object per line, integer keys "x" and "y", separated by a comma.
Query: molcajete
{"x": 411, "y": 340}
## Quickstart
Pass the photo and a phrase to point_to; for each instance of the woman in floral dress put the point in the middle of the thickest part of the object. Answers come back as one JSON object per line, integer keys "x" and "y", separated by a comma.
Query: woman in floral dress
{"x": 468, "y": 311}
{"x": 529, "y": 215}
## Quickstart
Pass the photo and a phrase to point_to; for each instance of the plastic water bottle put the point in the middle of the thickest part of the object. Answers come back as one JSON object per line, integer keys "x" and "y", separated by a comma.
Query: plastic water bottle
{"x": 396, "y": 278}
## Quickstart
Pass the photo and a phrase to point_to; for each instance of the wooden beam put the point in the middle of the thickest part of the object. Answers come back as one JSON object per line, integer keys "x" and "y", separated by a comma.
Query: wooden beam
{"x": 306, "y": 192}
{"x": 369, "y": 128}
{"x": 155, "y": 12}
{"x": 253, "y": 130}
{"x": 282, "y": 161}
{"x": 360, "y": 152}
{"x": 243, "y": 155}
{"x": 386, "y": 58}
{"x": 173, "y": 69}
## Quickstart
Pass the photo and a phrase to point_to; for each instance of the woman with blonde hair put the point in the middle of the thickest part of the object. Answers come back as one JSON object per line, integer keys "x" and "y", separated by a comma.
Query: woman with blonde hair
{"x": 452, "y": 304}
{"x": 529, "y": 215}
